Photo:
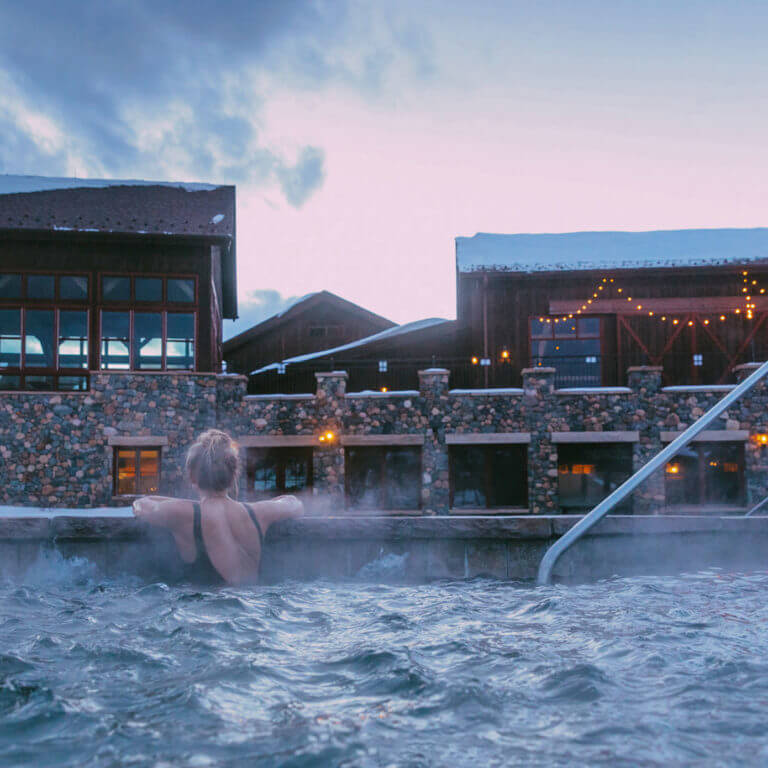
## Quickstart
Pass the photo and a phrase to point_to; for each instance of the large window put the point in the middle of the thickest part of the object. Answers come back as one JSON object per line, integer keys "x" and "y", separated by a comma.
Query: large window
{"x": 143, "y": 325}
{"x": 588, "y": 472}
{"x": 572, "y": 346}
{"x": 706, "y": 474}
{"x": 136, "y": 471}
{"x": 384, "y": 478}
{"x": 43, "y": 331}
{"x": 489, "y": 476}
{"x": 274, "y": 471}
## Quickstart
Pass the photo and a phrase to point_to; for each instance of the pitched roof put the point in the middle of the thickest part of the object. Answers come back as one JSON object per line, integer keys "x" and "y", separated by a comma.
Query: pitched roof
{"x": 390, "y": 333}
{"x": 576, "y": 251}
{"x": 296, "y": 307}
{"x": 125, "y": 207}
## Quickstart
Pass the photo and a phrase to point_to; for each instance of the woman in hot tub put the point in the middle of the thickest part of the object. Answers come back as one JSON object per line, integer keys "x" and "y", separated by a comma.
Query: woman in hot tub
{"x": 219, "y": 539}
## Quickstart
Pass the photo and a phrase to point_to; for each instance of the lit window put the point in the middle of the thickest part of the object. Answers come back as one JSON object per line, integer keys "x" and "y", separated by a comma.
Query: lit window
{"x": 571, "y": 346}
{"x": 588, "y": 472}
{"x": 137, "y": 471}
{"x": 706, "y": 473}
{"x": 698, "y": 360}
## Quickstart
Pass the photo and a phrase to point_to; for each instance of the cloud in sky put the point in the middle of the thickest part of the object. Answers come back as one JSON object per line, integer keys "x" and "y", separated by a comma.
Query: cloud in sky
{"x": 166, "y": 89}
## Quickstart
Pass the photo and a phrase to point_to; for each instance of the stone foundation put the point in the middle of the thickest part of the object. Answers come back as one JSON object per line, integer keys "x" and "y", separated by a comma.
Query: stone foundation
{"x": 56, "y": 449}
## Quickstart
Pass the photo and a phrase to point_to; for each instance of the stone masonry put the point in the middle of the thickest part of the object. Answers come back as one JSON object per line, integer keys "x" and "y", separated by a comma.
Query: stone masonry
{"x": 56, "y": 449}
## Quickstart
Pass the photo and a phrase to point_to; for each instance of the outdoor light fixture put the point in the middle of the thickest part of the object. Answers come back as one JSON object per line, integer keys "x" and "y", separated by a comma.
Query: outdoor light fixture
{"x": 673, "y": 469}
{"x": 327, "y": 437}
{"x": 475, "y": 360}
{"x": 384, "y": 389}
{"x": 760, "y": 439}
{"x": 504, "y": 354}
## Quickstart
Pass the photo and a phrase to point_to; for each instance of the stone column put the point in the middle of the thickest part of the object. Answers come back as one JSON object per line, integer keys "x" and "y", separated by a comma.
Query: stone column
{"x": 328, "y": 455}
{"x": 538, "y": 404}
{"x": 645, "y": 383}
{"x": 435, "y": 485}
{"x": 751, "y": 413}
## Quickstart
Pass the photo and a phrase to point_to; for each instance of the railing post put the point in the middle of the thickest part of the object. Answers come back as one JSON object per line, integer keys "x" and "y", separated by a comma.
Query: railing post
{"x": 435, "y": 486}
{"x": 645, "y": 383}
{"x": 538, "y": 391}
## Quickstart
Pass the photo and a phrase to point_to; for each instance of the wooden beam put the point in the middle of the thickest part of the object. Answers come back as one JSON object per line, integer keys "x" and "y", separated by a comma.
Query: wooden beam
{"x": 361, "y": 440}
{"x": 667, "y": 305}
{"x": 485, "y": 438}
{"x": 276, "y": 441}
{"x": 711, "y": 436}
{"x": 629, "y": 436}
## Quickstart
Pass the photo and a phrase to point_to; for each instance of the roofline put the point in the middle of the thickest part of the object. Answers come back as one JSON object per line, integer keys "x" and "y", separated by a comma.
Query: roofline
{"x": 357, "y": 343}
{"x": 27, "y": 233}
{"x": 613, "y": 270}
{"x": 300, "y": 306}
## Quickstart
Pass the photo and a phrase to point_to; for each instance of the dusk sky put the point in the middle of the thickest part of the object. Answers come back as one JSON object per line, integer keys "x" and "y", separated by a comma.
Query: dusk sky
{"x": 364, "y": 136}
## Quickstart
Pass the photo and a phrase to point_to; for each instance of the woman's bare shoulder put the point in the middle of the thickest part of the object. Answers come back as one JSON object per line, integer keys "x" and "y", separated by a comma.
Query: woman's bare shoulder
{"x": 162, "y": 510}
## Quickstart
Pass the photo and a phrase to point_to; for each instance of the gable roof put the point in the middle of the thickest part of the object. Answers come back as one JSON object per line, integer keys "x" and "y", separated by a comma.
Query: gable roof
{"x": 297, "y": 307}
{"x": 390, "y": 333}
{"x": 576, "y": 251}
{"x": 125, "y": 207}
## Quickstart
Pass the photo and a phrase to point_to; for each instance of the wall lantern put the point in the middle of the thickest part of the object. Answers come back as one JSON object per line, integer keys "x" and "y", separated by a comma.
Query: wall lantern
{"x": 673, "y": 469}
{"x": 382, "y": 366}
{"x": 474, "y": 361}
{"x": 504, "y": 354}
{"x": 760, "y": 439}
{"x": 327, "y": 437}
{"x": 384, "y": 389}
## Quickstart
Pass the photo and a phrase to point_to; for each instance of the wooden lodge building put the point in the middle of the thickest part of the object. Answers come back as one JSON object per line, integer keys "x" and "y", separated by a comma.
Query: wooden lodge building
{"x": 314, "y": 322}
{"x": 572, "y": 361}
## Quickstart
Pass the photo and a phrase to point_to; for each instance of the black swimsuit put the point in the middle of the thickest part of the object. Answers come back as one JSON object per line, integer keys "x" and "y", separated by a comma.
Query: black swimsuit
{"x": 201, "y": 570}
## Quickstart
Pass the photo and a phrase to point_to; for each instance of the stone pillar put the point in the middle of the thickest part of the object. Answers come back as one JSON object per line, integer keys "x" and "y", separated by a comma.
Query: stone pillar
{"x": 328, "y": 456}
{"x": 645, "y": 383}
{"x": 538, "y": 390}
{"x": 751, "y": 413}
{"x": 435, "y": 485}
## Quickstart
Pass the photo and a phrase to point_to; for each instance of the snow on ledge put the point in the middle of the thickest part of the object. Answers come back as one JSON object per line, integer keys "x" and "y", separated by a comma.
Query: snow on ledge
{"x": 593, "y": 391}
{"x": 699, "y": 388}
{"x": 376, "y": 393}
{"x": 49, "y": 512}
{"x": 302, "y": 396}
{"x": 498, "y": 391}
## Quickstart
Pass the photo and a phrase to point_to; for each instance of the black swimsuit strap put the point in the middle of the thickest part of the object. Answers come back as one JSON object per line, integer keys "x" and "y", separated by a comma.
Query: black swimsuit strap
{"x": 255, "y": 521}
{"x": 198, "y": 529}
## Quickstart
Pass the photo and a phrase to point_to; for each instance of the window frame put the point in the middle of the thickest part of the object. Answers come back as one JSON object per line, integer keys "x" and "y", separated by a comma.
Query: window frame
{"x": 283, "y": 454}
{"x": 383, "y": 486}
{"x": 132, "y": 306}
{"x": 626, "y": 507}
{"x": 487, "y": 475}
{"x": 538, "y": 361}
{"x": 136, "y": 449}
{"x": 701, "y": 485}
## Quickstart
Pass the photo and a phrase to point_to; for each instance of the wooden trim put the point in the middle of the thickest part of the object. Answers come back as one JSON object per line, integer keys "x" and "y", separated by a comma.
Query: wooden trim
{"x": 488, "y": 438}
{"x": 148, "y": 441}
{"x": 705, "y": 304}
{"x": 628, "y": 436}
{"x": 277, "y": 441}
{"x": 363, "y": 440}
{"x": 711, "y": 436}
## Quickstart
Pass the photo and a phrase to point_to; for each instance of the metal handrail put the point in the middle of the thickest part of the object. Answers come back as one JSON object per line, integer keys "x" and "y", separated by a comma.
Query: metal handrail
{"x": 607, "y": 504}
{"x": 757, "y": 507}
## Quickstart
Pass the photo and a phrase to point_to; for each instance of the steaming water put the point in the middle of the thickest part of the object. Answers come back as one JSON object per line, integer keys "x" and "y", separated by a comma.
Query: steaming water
{"x": 652, "y": 671}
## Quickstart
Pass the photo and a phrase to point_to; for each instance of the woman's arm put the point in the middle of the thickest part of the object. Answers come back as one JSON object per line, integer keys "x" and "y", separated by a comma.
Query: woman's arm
{"x": 159, "y": 510}
{"x": 273, "y": 510}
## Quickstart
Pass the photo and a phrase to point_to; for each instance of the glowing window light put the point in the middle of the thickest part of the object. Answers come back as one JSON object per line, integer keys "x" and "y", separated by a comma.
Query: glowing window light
{"x": 730, "y": 466}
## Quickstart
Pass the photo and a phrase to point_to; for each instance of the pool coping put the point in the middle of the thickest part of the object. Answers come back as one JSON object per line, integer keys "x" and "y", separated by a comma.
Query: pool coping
{"x": 497, "y": 527}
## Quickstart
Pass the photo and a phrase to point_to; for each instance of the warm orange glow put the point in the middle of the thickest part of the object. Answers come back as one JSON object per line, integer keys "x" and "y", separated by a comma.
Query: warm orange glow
{"x": 505, "y": 355}
{"x": 663, "y": 317}
{"x": 673, "y": 469}
{"x": 737, "y": 311}
{"x": 760, "y": 439}
{"x": 620, "y": 290}
{"x": 475, "y": 361}
{"x": 722, "y": 317}
{"x": 329, "y": 435}
{"x": 730, "y": 466}
{"x": 582, "y": 469}
{"x": 675, "y": 321}
{"x": 384, "y": 389}
{"x": 690, "y": 322}
{"x": 706, "y": 322}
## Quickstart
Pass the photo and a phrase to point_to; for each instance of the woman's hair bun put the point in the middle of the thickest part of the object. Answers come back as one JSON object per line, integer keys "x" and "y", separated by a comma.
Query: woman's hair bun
{"x": 213, "y": 461}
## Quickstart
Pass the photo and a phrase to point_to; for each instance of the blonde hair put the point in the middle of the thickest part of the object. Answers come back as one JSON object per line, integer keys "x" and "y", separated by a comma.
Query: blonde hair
{"x": 213, "y": 462}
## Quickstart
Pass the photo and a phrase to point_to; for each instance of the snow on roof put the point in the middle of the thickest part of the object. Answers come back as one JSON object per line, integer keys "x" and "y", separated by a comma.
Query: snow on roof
{"x": 390, "y": 333}
{"x": 574, "y": 251}
{"x": 10, "y": 185}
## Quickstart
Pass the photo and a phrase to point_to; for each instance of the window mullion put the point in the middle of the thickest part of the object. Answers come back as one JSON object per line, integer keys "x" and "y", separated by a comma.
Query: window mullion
{"x": 164, "y": 344}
